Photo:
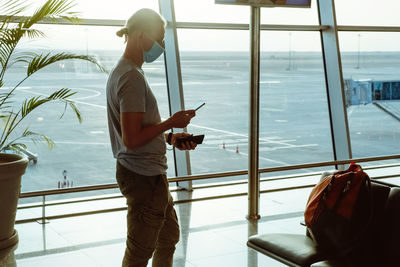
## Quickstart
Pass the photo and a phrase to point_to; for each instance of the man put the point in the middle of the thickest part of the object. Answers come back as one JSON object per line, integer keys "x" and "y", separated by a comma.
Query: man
{"x": 138, "y": 143}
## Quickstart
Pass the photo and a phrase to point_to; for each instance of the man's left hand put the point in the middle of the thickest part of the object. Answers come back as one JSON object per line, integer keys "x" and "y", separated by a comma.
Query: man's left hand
{"x": 187, "y": 145}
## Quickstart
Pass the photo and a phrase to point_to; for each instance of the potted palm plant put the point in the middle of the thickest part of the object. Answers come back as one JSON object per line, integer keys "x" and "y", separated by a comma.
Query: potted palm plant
{"x": 14, "y": 28}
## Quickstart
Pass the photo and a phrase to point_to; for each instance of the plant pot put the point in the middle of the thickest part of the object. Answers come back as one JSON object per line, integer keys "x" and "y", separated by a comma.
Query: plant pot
{"x": 12, "y": 167}
{"x": 7, "y": 256}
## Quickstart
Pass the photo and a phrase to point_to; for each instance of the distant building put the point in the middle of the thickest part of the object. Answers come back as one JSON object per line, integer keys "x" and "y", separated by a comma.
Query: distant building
{"x": 361, "y": 92}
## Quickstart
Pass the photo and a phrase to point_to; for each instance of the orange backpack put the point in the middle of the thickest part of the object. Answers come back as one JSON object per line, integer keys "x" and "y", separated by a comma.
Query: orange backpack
{"x": 339, "y": 209}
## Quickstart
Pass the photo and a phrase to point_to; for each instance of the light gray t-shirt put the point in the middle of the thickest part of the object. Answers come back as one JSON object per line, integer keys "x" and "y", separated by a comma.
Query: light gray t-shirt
{"x": 128, "y": 91}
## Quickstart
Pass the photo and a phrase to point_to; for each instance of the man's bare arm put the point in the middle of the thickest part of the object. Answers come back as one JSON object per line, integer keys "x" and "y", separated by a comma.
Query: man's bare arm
{"x": 135, "y": 134}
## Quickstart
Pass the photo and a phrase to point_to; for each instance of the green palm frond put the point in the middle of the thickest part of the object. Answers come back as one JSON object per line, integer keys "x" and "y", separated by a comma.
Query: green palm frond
{"x": 19, "y": 57}
{"x": 52, "y": 9}
{"x": 5, "y": 106}
{"x": 9, "y": 38}
{"x": 3, "y": 96}
{"x": 8, "y": 41}
{"x": 38, "y": 137}
{"x": 38, "y": 62}
{"x": 34, "y": 33}
{"x": 14, "y": 27}
{"x": 7, "y": 114}
{"x": 34, "y": 136}
{"x": 15, "y": 147}
{"x": 11, "y": 120}
{"x": 31, "y": 104}
{"x": 4, "y": 117}
{"x": 9, "y": 9}
{"x": 5, "y": 101}
{"x": 75, "y": 110}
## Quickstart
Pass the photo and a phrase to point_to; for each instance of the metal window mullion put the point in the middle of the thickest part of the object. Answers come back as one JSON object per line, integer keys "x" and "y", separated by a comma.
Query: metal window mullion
{"x": 367, "y": 28}
{"x": 254, "y": 115}
{"x": 217, "y": 26}
{"x": 334, "y": 81}
{"x": 237, "y": 26}
{"x": 174, "y": 84}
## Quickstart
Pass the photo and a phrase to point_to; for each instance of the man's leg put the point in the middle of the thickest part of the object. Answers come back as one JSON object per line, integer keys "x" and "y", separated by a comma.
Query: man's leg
{"x": 167, "y": 239}
{"x": 147, "y": 199}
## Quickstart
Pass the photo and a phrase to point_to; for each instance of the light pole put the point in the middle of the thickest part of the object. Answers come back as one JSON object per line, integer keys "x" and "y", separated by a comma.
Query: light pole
{"x": 290, "y": 52}
{"x": 87, "y": 47}
{"x": 358, "y": 53}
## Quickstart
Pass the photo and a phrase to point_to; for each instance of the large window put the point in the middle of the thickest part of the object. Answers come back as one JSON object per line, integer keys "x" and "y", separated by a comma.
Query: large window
{"x": 371, "y": 66}
{"x": 82, "y": 150}
{"x": 216, "y": 70}
{"x": 294, "y": 116}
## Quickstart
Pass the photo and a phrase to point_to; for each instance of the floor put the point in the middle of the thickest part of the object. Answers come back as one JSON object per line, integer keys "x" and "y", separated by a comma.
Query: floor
{"x": 213, "y": 232}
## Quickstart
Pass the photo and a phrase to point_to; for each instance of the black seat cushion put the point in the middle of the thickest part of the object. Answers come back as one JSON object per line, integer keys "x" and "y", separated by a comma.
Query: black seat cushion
{"x": 366, "y": 253}
{"x": 378, "y": 246}
{"x": 287, "y": 248}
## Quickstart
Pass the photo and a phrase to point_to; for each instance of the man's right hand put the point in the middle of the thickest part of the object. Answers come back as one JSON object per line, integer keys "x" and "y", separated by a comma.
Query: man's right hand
{"x": 181, "y": 118}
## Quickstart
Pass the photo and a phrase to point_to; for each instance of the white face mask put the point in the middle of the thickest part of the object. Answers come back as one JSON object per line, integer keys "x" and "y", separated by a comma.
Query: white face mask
{"x": 155, "y": 51}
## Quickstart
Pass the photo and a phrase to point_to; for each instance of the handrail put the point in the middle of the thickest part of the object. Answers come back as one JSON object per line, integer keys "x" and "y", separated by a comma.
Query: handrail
{"x": 283, "y": 168}
{"x": 43, "y": 219}
{"x": 328, "y": 163}
{"x": 68, "y": 190}
{"x": 239, "y": 182}
{"x": 211, "y": 176}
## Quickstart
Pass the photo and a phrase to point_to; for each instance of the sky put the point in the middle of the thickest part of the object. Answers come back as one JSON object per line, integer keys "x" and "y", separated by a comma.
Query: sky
{"x": 354, "y": 12}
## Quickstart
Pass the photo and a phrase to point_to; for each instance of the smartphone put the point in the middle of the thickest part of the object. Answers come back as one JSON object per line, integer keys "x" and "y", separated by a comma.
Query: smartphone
{"x": 198, "y": 139}
{"x": 198, "y": 105}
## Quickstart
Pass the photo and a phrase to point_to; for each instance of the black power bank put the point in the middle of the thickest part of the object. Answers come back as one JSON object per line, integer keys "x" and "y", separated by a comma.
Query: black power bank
{"x": 198, "y": 139}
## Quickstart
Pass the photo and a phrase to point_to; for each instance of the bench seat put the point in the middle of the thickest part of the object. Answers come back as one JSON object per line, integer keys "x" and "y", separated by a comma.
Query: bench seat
{"x": 381, "y": 247}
